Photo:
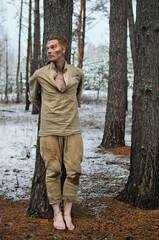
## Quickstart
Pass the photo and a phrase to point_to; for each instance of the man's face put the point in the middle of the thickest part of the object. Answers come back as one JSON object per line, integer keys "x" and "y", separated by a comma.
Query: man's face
{"x": 55, "y": 51}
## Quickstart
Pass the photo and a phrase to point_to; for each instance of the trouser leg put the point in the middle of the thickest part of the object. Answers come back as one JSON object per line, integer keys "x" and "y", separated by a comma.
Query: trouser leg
{"x": 73, "y": 154}
{"x": 51, "y": 148}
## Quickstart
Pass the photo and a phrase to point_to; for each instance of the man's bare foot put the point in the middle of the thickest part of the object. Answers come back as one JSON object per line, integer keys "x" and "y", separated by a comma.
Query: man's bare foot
{"x": 67, "y": 216}
{"x": 58, "y": 221}
{"x": 68, "y": 221}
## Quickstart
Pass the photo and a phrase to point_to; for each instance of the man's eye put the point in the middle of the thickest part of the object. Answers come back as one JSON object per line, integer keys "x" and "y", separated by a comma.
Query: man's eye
{"x": 53, "y": 47}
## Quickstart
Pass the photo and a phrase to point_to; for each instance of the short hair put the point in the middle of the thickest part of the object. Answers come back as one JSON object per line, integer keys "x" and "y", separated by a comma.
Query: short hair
{"x": 59, "y": 39}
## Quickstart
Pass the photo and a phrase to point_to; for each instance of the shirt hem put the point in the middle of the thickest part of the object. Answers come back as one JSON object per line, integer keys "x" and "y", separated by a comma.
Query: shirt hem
{"x": 59, "y": 134}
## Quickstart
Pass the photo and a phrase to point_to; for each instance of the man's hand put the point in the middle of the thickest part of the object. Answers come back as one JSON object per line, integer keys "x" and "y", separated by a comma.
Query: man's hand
{"x": 37, "y": 105}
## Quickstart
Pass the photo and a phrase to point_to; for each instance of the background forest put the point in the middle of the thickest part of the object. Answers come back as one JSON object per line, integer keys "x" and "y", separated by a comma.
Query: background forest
{"x": 14, "y": 45}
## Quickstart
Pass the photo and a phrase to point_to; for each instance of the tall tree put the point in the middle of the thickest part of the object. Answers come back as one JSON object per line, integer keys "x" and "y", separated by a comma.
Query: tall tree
{"x": 21, "y": 83}
{"x": 81, "y": 33}
{"x": 142, "y": 188}
{"x": 6, "y": 87}
{"x": 57, "y": 22}
{"x": 114, "y": 131}
{"x": 19, "y": 49}
{"x": 36, "y": 61}
{"x": 1, "y": 77}
{"x": 37, "y": 45}
{"x": 131, "y": 29}
{"x": 29, "y": 57}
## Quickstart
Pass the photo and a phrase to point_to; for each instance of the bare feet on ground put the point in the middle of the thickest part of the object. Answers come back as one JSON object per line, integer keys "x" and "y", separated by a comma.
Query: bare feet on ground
{"x": 69, "y": 223}
{"x": 58, "y": 221}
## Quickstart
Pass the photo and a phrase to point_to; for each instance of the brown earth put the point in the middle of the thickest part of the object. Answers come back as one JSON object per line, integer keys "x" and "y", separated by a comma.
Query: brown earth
{"x": 123, "y": 151}
{"x": 114, "y": 220}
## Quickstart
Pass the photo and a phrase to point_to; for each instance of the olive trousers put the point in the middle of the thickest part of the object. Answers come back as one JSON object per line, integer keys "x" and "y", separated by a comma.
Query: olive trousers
{"x": 56, "y": 150}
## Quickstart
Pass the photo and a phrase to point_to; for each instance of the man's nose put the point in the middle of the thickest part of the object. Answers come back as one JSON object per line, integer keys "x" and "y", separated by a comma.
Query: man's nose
{"x": 49, "y": 50}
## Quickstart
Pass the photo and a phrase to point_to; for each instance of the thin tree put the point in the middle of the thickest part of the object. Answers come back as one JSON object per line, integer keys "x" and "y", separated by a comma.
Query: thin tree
{"x": 57, "y": 22}
{"x": 19, "y": 49}
{"x": 114, "y": 132}
{"x": 6, "y": 86}
{"x": 29, "y": 57}
{"x": 131, "y": 29}
{"x": 36, "y": 61}
{"x": 81, "y": 33}
{"x": 21, "y": 83}
{"x": 1, "y": 77}
{"x": 142, "y": 188}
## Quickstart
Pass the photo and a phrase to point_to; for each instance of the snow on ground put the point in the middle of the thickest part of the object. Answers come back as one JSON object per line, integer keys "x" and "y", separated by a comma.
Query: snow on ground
{"x": 102, "y": 174}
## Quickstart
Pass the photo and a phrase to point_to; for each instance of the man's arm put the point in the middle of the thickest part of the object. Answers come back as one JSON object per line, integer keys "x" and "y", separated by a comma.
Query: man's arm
{"x": 34, "y": 91}
{"x": 80, "y": 88}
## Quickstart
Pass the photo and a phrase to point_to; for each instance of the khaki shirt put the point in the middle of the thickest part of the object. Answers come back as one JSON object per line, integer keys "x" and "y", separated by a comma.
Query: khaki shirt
{"x": 59, "y": 110}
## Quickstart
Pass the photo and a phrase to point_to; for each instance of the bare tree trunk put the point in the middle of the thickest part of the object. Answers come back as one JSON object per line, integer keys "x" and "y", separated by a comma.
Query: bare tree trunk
{"x": 131, "y": 29}
{"x": 19, "y": 48}
{"x": 29, "y": 54}
{"x": 6, "y": 87}
{"x": 114, "y": 132}
{"x": 57, "y": 22}
{"x": 143, "y": 183}
{"x": 81, "y": 33}
{"x": 37, "y": 49}
{"x": 1, "y": 77}
{"x": 21, "y": 83}
{"x": 30, "y": 40}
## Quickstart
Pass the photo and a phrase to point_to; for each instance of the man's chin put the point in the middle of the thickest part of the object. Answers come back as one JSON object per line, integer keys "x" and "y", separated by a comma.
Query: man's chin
{"x": 51, "y": 60}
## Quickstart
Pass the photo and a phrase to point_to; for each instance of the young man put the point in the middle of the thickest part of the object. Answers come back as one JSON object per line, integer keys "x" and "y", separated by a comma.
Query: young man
{"x": 59, "y": 85}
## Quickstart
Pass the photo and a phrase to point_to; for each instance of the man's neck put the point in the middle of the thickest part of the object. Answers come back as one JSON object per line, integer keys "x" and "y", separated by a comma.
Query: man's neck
{"x": 60, "y": 65}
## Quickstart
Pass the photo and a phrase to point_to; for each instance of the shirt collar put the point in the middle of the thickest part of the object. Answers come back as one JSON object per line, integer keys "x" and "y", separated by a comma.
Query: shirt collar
{"x": 52, "y": 65}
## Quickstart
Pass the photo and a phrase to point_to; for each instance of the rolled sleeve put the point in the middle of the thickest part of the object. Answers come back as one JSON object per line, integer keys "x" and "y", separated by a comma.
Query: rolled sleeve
{"x": 34, "y": 89}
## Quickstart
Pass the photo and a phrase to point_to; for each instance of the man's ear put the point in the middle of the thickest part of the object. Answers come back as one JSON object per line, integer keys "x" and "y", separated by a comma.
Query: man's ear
{"x": 63, "y": 49}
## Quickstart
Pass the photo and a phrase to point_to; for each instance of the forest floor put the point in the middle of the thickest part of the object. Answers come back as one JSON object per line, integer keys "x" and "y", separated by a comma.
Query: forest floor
{"x": 113, "y": 220}
{"x": 98, "y": 215}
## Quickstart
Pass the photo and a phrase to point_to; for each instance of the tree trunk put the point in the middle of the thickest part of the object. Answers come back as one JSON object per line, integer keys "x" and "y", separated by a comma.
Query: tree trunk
{"x": 1, "y": 77}
{"x": 6, "y": 87}
{"x": 131, "y": 29}
{"x": 114, "y": 131}
{"x": 142, "y": 188}
{"x": 21, "y": 83}
{"x": 37, "y": 49}
{"x": 59, "y": 13}
{"x": 81, "y": 33}
{"x": 19, "y": 48}
{"x": 39, "y": 204}
{"x": 29, "y": 53}
{"x": 57, "y": 22}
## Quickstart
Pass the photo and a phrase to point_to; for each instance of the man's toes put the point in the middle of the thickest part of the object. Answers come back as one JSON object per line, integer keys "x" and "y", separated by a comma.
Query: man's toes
{"x": 71, "y": 227}
{"x": 69, "y": 223}
{"x": 59, "y": 224}
{"x": 59, "y": 227}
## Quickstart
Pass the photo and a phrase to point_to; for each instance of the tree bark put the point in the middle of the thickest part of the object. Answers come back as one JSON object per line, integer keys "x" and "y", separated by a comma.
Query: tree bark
{"x": 21, "y": 83}
{"x": 39, "y": 204}
{"x": 29, "y": 53}
{"x": 1, "y": 77}
{"x": 19, "y": 49}
{"x": 59, "y": 13}
{"x": 131, "y": 29}
{"x": 6, "y": 87}
{"x": 36, "y": 61}
{"x": 57, "y": 22}
{"x": 142, "y": 188}
{"x": 114, "y": 131}
{"x": 81, "y": 33}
